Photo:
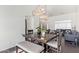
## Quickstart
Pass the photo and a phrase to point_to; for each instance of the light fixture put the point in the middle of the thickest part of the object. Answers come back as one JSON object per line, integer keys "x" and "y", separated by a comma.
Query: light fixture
{"x": 44, "y": 17}
{"x": 41, "y": 12}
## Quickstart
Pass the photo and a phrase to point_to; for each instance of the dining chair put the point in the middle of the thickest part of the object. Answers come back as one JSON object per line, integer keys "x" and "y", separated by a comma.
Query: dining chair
{"x": 28, "y": 47}
{"x": 28, "y": 35}
{"x": 55, "y": 44}
{"x": 30, "y": 31}
{"x": 31, "y": 38}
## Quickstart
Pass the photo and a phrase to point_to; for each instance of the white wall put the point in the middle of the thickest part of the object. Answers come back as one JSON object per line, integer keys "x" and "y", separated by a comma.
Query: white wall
{"x": 32, "y": 23}
{"x": 51, "y": 24}
{"x": 36, "y": 23}
{"x": 77, "y": 21}
{"x": 70, "y": 16}
{"x": 12, "y": 25}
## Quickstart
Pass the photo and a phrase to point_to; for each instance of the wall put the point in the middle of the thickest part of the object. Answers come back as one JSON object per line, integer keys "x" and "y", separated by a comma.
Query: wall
{"x": 51, "y": 24}
{"x": 32, "y": 23}
{"x": 77, "y": 21}
{"x": 12, "y": 26}
{"x": 70, "y": 16}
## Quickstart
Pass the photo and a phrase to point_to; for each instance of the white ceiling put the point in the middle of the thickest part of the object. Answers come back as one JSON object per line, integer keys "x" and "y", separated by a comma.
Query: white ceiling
{"x": 60, "y": 9}
{"x": 54, "y": 10}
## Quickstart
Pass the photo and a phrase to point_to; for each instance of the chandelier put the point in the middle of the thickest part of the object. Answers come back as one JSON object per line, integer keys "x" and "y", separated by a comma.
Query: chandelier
{"x": 41, "y": 12}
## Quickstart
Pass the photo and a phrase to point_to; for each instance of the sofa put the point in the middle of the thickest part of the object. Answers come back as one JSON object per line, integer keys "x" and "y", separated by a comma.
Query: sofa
{"x": 71, "y": 35}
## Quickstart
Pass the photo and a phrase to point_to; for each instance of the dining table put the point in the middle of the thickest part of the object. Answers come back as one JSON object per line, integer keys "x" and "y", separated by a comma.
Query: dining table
{"x": 43, "y": 40}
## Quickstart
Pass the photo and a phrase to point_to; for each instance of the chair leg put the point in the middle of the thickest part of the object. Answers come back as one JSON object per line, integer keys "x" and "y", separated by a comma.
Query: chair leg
{"x": 59, "y": 49}
{"x": 16, "y": 49}
{"x": 76, "y": 42}
{"x": 47, "y": 48}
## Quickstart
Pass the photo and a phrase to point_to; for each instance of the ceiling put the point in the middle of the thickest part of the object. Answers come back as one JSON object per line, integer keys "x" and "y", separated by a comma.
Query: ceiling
{"x": 54, "y": 10}
{"x": 60, "y": 9}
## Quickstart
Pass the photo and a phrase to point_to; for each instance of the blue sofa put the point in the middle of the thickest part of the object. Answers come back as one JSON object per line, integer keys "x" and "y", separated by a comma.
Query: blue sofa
{"x": 71, "y": 36}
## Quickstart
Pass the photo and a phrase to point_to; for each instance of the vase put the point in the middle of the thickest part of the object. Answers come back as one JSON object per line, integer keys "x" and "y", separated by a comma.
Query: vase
{"x": 39, "y": 34}
{"x": 43, "y": 34}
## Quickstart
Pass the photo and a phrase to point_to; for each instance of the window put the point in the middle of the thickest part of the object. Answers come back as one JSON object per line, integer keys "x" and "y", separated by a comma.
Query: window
{"x": 64, "y": 24}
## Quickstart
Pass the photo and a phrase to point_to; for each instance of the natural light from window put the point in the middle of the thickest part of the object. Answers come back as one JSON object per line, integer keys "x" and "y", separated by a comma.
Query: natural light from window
{"x": 63, "y": 24}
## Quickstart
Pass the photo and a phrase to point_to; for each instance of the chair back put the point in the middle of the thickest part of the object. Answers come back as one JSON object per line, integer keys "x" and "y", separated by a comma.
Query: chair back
{"x": 30, "y": 31}
{"x": 59, "y": 42}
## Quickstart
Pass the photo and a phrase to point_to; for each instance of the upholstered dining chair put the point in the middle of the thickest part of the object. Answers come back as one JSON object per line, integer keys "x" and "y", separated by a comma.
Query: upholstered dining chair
{"x": 30, "y": 35}
{"x": 28, "y": 47}
{"x": 55, "y": 44}
{"x": 30, "y": 31}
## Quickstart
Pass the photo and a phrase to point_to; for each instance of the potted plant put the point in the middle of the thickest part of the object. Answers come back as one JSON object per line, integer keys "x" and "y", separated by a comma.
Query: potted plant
{"x": 41, "y": 31}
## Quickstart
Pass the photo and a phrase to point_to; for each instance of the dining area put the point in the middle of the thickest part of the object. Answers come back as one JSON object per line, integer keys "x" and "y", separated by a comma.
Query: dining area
{"x": 50, "y": 43}
{"x": 38, "y": 37}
